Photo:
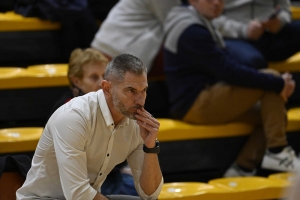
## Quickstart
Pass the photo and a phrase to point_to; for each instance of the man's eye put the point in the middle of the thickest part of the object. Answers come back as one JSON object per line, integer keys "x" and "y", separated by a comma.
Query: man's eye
{"x": 130, "y": 90}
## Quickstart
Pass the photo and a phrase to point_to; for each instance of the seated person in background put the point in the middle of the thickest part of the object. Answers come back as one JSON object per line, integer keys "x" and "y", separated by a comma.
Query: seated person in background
{"x": 85, "y": 74}
{"x": 208, "y": 86}
{"x": 135, "y": 27}
{"x": 88, "y": 136}
{"x": 258, "y": 31}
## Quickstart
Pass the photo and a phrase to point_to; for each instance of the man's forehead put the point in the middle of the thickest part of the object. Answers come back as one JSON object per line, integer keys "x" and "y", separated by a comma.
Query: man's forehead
{"x": 138, "y": 81}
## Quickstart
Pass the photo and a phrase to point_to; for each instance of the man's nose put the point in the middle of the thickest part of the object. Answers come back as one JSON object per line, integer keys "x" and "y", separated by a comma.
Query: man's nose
{"x": 140, "y": 99}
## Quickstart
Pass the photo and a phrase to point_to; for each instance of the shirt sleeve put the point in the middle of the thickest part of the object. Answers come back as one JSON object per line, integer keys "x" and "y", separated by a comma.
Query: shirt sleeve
{"x": 197, "y": 46}
{"x": 135, "y": 161}
{"x": 70, "y": 133}
{"x": 161, "y": 8}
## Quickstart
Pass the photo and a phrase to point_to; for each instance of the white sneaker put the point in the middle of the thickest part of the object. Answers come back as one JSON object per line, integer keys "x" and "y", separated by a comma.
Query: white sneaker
{"x": 283, "y": 161}
{"x": 234, "y": 171}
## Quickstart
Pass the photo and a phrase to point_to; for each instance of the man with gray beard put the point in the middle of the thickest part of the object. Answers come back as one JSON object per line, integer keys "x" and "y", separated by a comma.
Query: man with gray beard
{"x": 87, "y": 137}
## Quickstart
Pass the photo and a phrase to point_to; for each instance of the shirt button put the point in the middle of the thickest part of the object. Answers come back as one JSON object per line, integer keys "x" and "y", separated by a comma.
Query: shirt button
{"x": 100, "y": 174}
{"x": 107, "y": 154}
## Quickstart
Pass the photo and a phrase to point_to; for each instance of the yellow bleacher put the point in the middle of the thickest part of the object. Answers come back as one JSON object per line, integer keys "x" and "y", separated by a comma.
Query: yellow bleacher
{"x": 174, "y": 130}
{"x": 291, "y": 64}
{"x": 11, "y": 21}
{"x": 295, "y": 10}
{"x": 286, "y": 177}
{"x": 49, "y": 69}
{"x": 16, "y": 140}
{"x": 34, "y": 76}
{"x": 236, "y": 188}
{"x": 293, "y": 116}
{"x": 249, "y": 188}
{"x": 194, "y": 191}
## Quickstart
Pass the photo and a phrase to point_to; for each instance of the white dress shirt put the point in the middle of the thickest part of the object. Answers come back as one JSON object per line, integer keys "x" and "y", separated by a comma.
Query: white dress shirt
{"x": 79, "y": 147}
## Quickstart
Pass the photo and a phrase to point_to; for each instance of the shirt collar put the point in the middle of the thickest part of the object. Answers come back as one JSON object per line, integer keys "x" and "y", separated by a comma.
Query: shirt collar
{"x": 106, "y": 112}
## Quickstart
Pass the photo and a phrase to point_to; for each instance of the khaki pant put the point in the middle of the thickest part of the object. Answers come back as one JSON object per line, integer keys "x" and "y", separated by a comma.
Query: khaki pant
{"x": 222, "y": 103}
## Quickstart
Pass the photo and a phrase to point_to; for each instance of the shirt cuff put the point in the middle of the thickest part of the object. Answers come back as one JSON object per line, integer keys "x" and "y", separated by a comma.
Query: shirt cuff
{"x": 154, "y": 195}
{"x": 284, "y": 18}
{"x": 89, "y": 193}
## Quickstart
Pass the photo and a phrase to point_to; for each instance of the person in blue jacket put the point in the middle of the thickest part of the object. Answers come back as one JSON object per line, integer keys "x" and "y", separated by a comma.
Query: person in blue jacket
{"x": 208, "y": 86}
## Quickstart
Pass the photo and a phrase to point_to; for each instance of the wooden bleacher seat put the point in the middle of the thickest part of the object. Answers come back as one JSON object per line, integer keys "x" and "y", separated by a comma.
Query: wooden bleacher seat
{"x": 194, "y": 191}
{"x": 293, "y": 120}
{"x": 292, "y": 64}
{"x": 295, "y": 12}
{"x": 172, "y": 130}
{"x": 15, "y": 140}
{"x": 10, "y": 77}
{"x": 49, "y": 75}
{"x": 249, "y": 188}
{"x": 286, "y": 177}
{"x": 11, "y": 21}
{"x": 34, "y": 76}
{"x": 10, "y": 72}
{"x": 49, "y": 69}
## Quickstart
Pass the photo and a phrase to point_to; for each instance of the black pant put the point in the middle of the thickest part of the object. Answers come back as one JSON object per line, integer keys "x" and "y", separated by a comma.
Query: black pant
{"x": 122, "y": 197}
{"x": 270, "y": 47}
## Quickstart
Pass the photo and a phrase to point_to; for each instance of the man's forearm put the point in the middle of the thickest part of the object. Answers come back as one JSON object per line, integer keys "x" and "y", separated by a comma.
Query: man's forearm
{"x": 151, "y": 175}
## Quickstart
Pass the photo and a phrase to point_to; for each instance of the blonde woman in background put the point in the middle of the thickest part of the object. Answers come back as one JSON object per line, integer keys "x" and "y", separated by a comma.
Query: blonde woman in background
{"x": 85, "y": 74}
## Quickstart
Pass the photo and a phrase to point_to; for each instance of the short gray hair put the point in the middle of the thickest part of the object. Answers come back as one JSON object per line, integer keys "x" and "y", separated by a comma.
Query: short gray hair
{"x": 117, "y": 67}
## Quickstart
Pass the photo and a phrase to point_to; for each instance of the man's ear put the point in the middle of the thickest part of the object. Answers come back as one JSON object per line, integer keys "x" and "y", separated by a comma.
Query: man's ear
{"x": 74, "y": 80}
{"x": 106, "y": 86}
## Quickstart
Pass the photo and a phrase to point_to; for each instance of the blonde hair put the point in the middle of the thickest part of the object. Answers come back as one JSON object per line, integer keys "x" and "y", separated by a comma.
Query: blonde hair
{"x": 80, "y": 57}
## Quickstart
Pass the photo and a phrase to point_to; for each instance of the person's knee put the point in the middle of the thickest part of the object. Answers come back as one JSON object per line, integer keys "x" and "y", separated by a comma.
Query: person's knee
{"x": 254, "y": 60}
{"x": 250, "y": 56}
{"x": 258, "y": 62}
